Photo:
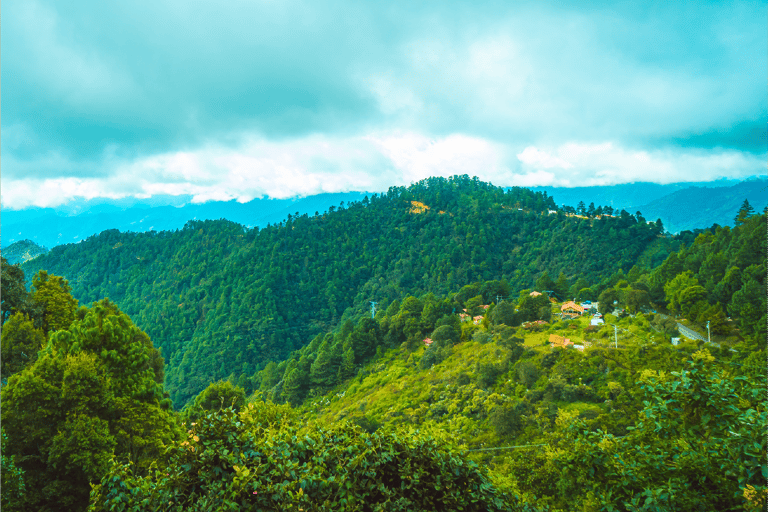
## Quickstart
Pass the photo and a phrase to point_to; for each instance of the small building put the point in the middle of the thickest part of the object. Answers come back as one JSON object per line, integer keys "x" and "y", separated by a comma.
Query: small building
{"x": 559, "y": 341}
{"x": 534, "y": 294}
{"x": 571, "y": 310}
{"x": 428, "y": 341}
{"x": 596, "y": 320}
{"x": 477, "y": 319}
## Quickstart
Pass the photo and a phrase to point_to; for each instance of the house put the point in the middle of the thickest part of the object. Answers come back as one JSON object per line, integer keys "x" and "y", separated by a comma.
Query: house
{"x": 571, "y": 310}
{"x": 427, "y": 341}
{"x": 596, "y": 320}
{"x": 477, "y": 319}
{"x": 534, "y": 294}
{"x": 464, "y": 317}
{"x": 559, "y": 341}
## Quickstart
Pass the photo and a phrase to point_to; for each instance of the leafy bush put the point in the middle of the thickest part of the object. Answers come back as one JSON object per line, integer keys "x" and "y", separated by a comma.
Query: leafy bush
{"x": 225, "y": 465}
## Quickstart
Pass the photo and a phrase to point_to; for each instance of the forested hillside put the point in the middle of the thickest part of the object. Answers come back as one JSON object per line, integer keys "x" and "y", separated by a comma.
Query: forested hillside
{"x": 222, "y": 300}
{"x": 473, "y": 399}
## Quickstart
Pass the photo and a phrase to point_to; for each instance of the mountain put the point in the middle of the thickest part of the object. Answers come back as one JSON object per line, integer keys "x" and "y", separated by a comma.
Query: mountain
{"x": 626, "y": 195}
{"x": 680, "y": 206}
{"x": 698, "y": 207}
{"x": 21, "y": 251}
{"x": 220, "y": 299}
{"x": 77, "y": 221}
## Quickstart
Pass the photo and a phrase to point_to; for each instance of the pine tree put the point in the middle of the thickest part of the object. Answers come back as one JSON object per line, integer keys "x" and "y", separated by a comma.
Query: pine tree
{"x": 744, "y": 213}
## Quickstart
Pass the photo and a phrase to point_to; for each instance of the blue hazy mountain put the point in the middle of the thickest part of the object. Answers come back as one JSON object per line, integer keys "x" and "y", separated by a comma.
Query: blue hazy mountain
{"x": 700, "y": 207}
{"x": 626, "y": 195}
{"x": 78, "y": 220}
{"x": 680, "y": 206}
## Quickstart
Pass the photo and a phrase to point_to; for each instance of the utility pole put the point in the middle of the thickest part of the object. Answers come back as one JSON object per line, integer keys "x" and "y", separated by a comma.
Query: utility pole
{"x": 373, "y": 309}
{"x": 709, "y": 338}
{"x": 615, "y": 338}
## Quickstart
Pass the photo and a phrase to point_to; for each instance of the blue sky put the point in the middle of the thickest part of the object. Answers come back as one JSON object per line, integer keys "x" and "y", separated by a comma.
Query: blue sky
{"x": 242, "y": 99}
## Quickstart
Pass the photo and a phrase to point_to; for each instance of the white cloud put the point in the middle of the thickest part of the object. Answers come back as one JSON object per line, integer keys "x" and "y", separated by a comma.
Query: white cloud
{"x": 588, "y": 164}
{"x": 256, "y": 167}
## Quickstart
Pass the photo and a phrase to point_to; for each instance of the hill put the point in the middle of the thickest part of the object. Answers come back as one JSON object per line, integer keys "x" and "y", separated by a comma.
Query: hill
{"x": 221, "y": 299}
{"x": 520, "y": 385}
{"x": 21, "y": 251}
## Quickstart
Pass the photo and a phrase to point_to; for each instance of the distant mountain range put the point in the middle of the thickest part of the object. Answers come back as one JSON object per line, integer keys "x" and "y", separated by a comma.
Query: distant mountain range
{"x": 77, "y": 221}
{"x": 680, "y": 206}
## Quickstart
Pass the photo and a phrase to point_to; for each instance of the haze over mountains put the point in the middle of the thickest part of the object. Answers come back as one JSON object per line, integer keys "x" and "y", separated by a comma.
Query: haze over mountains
{"x": 680, "y": 206}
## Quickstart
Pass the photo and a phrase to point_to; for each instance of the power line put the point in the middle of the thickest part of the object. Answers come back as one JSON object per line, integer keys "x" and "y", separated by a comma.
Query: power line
{"x": 507, "y": 447}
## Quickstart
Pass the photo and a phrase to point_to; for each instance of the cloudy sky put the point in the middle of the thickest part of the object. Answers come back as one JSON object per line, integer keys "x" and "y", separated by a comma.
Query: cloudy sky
{"x": 244, "y": 99}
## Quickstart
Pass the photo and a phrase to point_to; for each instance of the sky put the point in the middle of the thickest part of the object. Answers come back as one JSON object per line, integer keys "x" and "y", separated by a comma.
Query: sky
{"x": 279, "y": 98}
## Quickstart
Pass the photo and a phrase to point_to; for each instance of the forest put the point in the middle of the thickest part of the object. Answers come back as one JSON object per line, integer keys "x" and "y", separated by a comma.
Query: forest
{"x": 222, "y": 301}
{"x": 235, "y": 369}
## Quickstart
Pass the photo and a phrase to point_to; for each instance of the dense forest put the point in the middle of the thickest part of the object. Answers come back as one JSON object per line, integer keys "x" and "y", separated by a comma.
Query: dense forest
{"x": 220, "y": 300}
{"x": 476, "y": 392}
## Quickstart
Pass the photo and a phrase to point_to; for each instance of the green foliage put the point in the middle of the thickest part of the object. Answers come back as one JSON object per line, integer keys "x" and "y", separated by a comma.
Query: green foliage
{"x": 52, "y": 294}
{"x": 20, "y": 343}
{"x": 445, "y": 336}
{"x": 13, "y": 487}
{"x": 230, "y": 463}
{"x": 14, "y": 298}
{"x": 218, "y": 395}
{"x": 92, "y": 394}
{"x": 223, "y": 300}
{"x": 697, "y": 445}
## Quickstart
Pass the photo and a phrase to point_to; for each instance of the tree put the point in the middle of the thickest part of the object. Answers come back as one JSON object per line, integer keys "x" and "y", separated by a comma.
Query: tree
{"x": 445, "y": 336}
{"x": 52, "y": 293}
{"x": 14, "y": 297}
{"x": 544, "y": 282}
{"x": 674, "y": 290}
{"x": 325, "y": 367}
{"x": 744, "y": 213}
{"x": 605, "y": 302}
{"x": 12, "y": 480}
{"x": 218, "y": 395}
{"x": 81, "y": 403}
{"x": 561, "y": 286}
{"x": 504, "y": 313}
{"x": 20, "y": 343}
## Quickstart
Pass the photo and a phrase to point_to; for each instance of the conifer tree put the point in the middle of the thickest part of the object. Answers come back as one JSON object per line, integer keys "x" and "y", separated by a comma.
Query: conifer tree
{"x": 744, "y": 213}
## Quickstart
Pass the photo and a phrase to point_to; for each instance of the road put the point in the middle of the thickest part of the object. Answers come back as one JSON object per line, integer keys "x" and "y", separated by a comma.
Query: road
{"x": 689, "y": 333}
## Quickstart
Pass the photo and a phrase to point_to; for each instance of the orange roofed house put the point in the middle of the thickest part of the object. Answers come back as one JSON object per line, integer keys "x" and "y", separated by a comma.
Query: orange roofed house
{"x": 571, "y": 310}
{"x": 559, "y": 341}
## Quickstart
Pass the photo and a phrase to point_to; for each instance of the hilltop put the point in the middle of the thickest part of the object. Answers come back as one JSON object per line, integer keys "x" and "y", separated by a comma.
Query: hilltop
{"x": 22, "y": 251}
{"x": 221, "y": 299}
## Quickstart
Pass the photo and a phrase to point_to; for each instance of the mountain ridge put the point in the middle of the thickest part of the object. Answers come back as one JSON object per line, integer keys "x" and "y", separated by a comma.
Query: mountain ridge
{"x": 77, "y": 221}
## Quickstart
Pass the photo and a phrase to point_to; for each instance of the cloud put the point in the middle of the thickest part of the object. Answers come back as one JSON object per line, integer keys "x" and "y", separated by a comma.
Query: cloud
{"x": 586, "y": 164}
{"x": 249, "y": 98}
{"x": 258, "y": 167}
